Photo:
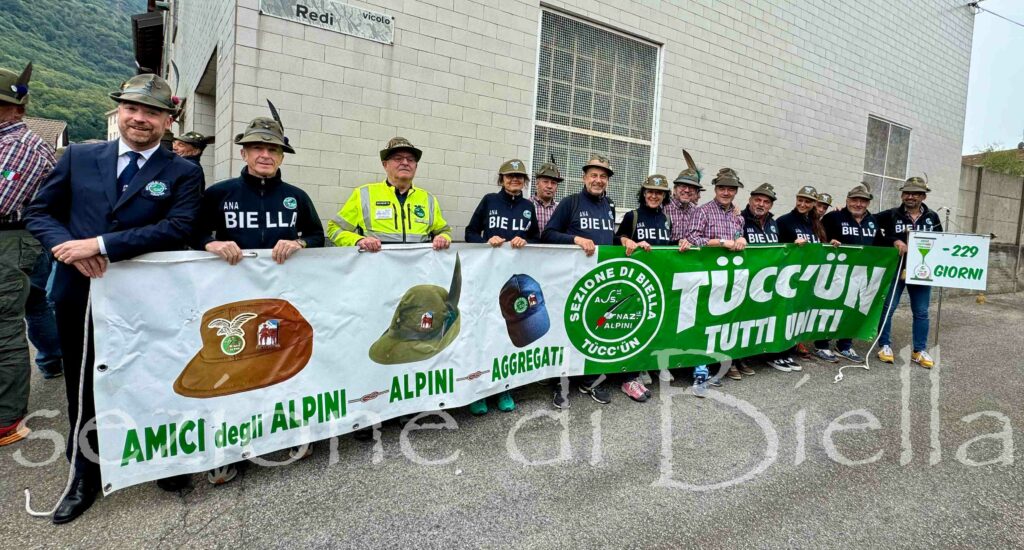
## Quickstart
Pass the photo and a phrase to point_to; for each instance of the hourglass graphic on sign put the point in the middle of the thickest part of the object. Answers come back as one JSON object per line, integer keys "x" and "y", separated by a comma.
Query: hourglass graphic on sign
{"x": 924, "y": 246}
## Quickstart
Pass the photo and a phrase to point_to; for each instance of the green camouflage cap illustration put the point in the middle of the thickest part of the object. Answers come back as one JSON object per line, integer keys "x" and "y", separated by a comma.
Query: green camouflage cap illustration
{"x": 765, "y": 189}
{"x": 14, "y": 86}
{"x": 147, "y": 89}
{"x": 265, "y": 130}
{"x": 825, "y": 198}
{"x": 398, "y": 144}
{"x": 727, "y": 177}
{"x": 514, "y": 166}
{"x": 597, "y": 161}
{"x": 426, "y": 321}
{"x": 862, "y": 191}
{"x": 656, "y": 182}
{"x": 195, "y": 138}
{"x": 550, "y": 170}
{"x": 916, "y": 184}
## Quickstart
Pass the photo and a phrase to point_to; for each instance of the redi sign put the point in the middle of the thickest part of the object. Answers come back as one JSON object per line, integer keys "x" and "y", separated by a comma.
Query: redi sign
{"x": 333, "y": 16}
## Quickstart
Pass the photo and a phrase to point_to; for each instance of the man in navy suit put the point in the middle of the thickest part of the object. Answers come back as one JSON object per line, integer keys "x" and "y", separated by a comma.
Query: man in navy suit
{"x": 102, "y": 203}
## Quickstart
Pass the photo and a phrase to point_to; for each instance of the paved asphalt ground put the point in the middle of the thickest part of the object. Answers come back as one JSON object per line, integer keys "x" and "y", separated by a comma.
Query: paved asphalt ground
{"x": 778, "y": 484}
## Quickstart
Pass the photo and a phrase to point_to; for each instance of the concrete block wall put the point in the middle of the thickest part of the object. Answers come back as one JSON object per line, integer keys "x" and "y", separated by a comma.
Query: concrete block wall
{"x": 779, "y": 90}
{"x": 999, "y": 204}
{"x": 206, "y": 30}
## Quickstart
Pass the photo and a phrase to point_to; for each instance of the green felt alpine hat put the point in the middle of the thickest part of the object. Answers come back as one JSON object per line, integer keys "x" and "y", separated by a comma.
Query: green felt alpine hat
{"x": 425, "y": 322}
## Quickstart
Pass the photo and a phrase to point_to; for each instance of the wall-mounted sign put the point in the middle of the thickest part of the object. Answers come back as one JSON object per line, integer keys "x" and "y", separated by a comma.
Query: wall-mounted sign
{"x": 334, "y": 16}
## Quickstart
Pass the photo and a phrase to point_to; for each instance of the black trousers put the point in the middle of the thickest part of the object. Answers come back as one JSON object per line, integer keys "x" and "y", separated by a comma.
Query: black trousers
{"x": 70, "y": 312}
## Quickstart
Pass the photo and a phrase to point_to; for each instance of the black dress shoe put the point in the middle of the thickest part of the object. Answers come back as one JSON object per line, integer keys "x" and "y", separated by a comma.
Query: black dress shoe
{"x": 174, "y": 483}
{"x": 81, "y": 496}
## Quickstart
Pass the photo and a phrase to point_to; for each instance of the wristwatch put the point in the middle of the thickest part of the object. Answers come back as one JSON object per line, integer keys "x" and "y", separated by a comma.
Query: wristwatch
{"x": 301, "y": 241}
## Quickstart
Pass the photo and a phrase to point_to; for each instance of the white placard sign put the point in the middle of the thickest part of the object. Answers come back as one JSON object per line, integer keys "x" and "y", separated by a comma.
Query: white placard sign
{"x": 952, "y": 260}
{"x": 334, "y": 16}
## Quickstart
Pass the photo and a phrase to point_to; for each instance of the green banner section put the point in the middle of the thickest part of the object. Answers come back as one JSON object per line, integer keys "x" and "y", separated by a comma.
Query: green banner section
{"x": 702, "y": 306}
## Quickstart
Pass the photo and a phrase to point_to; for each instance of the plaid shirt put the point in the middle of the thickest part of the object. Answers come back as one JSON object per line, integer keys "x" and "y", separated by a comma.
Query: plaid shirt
{"x": 711, "y": 221}
{"x": 25, "y": 161}
{"x": 678, "y": 214}
{"x": 544, "y": 211}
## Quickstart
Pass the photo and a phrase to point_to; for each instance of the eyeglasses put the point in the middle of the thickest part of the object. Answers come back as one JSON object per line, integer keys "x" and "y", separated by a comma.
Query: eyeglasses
{"x": 404, "y": 159}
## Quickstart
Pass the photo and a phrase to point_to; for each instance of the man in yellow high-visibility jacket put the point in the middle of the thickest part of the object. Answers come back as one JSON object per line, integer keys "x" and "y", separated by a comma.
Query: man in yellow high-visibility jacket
{"x": 391, "y": 211}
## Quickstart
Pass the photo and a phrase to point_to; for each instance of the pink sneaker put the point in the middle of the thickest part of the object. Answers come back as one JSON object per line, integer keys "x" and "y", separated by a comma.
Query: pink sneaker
{"x": 635, "y": 390}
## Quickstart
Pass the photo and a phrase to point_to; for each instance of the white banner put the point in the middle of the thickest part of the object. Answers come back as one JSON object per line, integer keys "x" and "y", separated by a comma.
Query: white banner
{"x": 217, "y": 363}
{"x": 951, "y": 260}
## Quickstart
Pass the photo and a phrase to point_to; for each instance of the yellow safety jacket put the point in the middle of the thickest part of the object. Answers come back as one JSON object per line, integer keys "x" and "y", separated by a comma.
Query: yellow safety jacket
{"x": 373, "y": 210}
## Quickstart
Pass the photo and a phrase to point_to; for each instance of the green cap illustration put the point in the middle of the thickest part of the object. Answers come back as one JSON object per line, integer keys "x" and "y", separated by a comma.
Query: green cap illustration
{"x": 426, "y": 321}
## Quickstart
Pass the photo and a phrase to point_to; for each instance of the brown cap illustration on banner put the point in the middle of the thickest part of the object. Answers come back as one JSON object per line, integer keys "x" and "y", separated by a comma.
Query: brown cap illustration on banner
{"x": 550, "y": 170}
{"x": 425, "y": 322}
{"x": 247, "y": 345}
{"x": 808, "y": 192}
{"x": 825, "y": 198}
{"x": 915, "y": 185}
{"x": 862, "y": 191}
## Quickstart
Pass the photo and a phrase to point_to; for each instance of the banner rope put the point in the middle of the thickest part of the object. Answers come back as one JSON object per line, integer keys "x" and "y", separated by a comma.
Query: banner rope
{"x": 892, "y": 304}
{"x": 78, "y": 422}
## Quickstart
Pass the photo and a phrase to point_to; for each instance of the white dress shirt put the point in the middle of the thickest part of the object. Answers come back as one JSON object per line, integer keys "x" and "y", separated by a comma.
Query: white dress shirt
{"x": 122, "y": 163}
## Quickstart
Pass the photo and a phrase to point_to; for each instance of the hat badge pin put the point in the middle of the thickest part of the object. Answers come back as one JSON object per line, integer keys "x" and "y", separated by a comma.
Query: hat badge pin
{"x": 427, "y": 320}
{"x": 267, "y": 334}
{"x": 521, "y": 304}
{"x": 233, "y": 341}
{"x": 515, "y": 164}
{"x": 531, "y": 299}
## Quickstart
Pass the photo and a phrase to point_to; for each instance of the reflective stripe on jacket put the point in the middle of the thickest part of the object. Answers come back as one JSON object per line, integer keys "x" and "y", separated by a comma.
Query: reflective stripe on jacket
{"x": 373, "y": 210}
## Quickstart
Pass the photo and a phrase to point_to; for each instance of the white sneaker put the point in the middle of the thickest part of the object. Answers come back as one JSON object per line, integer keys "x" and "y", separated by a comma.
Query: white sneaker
{"x": 645, "y": 378}
{"x": 665, "y": 376}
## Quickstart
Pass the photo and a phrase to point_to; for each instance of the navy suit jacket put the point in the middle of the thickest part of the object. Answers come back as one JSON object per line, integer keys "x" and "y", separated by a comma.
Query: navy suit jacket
{"x": 79, "y": 200}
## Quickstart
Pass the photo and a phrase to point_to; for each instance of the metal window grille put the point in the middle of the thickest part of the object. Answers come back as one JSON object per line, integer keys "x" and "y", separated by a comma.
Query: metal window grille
{"x": 886, "y": 154}
{"x": 595, "y": 94}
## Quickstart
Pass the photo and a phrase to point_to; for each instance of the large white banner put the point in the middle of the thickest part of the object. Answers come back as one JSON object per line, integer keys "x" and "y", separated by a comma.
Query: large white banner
{"x": 201, "y": 364}
{"x": 951, "y": 260}
{"x": 216, "y": 362}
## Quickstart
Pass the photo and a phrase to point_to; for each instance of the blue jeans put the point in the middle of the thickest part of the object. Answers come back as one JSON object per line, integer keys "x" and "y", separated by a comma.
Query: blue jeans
{"x": 42, "y": 325}
{"x": 920, "y": 296}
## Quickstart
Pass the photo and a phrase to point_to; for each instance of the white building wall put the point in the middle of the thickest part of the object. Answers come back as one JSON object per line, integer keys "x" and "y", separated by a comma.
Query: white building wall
{"x": 779, "y": 90}
{"x": 206, "y": 28}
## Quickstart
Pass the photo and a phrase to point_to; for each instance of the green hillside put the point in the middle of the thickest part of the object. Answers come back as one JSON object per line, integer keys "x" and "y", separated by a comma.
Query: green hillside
{"x": 81, "y": 50}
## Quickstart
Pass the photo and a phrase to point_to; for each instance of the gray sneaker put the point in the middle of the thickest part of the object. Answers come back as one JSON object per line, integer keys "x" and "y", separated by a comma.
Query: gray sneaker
{"x": 852, "y": 355}
{"x": 826, "y": 355}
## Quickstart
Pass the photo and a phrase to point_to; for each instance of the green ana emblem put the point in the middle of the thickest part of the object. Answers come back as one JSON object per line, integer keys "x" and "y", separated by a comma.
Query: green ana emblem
{"x": 290, "y": 203}
{"x": 156, "y": 188}
{"x": 418, "y": 211}
{"x": 234, "y": 337}
{"x": 521, "y": 304}
{"x": 614, "y": 311}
